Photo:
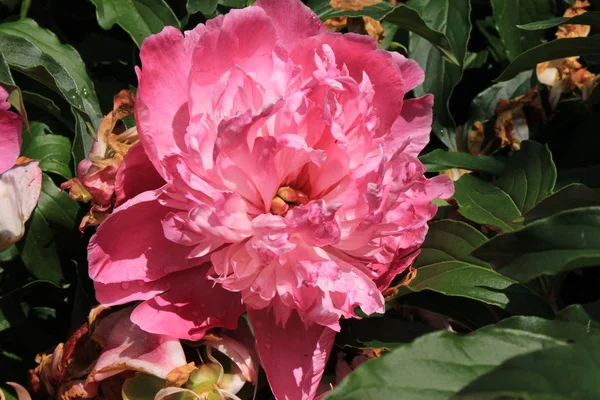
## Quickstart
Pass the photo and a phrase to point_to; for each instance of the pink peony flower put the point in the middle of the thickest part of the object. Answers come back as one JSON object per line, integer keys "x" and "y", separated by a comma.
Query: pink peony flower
{"x": 292, "y": 192}
{"x": 20, "y": 185}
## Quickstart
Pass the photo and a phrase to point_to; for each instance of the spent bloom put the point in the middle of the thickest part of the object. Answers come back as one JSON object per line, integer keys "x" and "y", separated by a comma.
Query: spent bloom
{"x": 285, "y": 184}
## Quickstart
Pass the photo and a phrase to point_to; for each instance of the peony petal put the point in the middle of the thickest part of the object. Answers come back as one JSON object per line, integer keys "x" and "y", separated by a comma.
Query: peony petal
{"x": 127, "y": 347}
{"x": 413, "y": 124}
{"x": 10, "y": 134}
{"x": 161, "y": 109}
{"x": 412, "y": 74}
{"x": 130, "y": 244}
{"x": 135, "y": 175}
{"x": 193, "y": 306}
{"x": 293, "y": 20}
{"x": 20, "y": 189}
{"x": 293, "y": 375}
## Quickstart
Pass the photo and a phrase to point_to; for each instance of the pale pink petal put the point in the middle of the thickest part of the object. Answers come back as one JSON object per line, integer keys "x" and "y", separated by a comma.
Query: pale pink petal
{"x": 293, "y": 356}
{"x": 20, "y": 189}
{"x": 130, "y": 244}
{"x": 135, "y": 175}
{"x": 293, "y": 20}
{"x": 191, "y": 306}
{"x": 127, "y": 347}
{"x": 161, "y": 109}
{"x": 10, "y": 134}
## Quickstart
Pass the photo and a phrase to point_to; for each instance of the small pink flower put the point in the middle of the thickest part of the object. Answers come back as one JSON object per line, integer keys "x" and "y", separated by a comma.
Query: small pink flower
{"x": 293, "y": 189}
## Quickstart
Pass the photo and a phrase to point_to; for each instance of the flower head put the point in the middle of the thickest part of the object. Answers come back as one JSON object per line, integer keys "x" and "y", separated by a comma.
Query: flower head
{"x": 293, "y": 191}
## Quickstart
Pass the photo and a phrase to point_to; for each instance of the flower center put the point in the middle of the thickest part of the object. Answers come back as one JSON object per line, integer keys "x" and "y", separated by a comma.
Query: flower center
{"x": 287, "y": 198}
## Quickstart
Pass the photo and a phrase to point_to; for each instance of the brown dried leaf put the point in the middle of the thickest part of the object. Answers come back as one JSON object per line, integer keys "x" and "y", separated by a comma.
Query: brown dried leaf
{"x": 513, "y": 118}
{"x": 475, "y": 138}
{"x": 180, "y": 375}
{"x": 352, "y": 5}
{"x": 405, "y": 279}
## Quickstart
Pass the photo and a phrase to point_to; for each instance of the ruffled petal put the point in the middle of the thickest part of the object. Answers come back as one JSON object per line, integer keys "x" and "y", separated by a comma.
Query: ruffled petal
{"x": 161, "y": 106}
{"x": 130, "y": 244}
{"x": 293, "y": 356}
{"x": 192, "y": 306}
{"x": 293, "y": 20}
{"x": 135, "y": 175}
{"x": 128, "y": 348}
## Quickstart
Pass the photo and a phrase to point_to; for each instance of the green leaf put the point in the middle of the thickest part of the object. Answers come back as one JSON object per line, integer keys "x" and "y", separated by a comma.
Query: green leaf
{"x": 55, "y": 212}
{"x": 445, "y": 266}
{"x": 572, "y": 323}
{"x": 441, "y": 75}
{"x": 139, "y": 18}
{"x": 206, "y": 7}
{"x": 39, "y": 251}
{"x": 83, "y": 140}
{"x": 440, "y": 160}
{"x": 377, "y": 333}
{"x": 437, "y": 365}
{"x": 562, "y": 242}
{"x": 53, "y": 152}
{"x": 13, "y": 308}
{"x": 5, "y": 75}
{"x": 510, "y": 13}
{"x": 484, "y": 203}
{"x": 38, "y": 53}
{"x": 409, "y": 19}
{"x": 559, "y": 48}
{"x": 476, "y": 60}
{"x": 587, "y": 18}
{"x": 495, "y": 46}
{"x": 529, "y": 177}
{"x": 470, "y": 313}
{"x": 142, "y": 387}
{"x": 558, "y": 373}
{"x": 402, "y": 16}
{"x": 57, "y": 207}
{"x": 568, "y": 198}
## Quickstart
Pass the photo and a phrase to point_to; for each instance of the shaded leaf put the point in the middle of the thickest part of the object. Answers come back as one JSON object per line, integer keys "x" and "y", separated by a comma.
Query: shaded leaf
{"x": 376, "y": 333}
{"x": 445, "y": 266}
{"x": 38, "y": 53}
{"x": 206, "y": 7}
{"x": 510, "y": 13}
{"x": 587, "y": 18}
{"x": 562, "y": 372}
{"x": 561, "y": 242}
{"x": 528, "y": 178}
{"x": 441, "y": 75}
{"x": 437, "y": 365}
{"x": 568, "y": 198}
{"x": 139, "y": 18}
{"x": 572, "y": 323}
{"x": 559, "y": 48}
{"x": 53, "y": 151}
{"x": 440, "y": 160}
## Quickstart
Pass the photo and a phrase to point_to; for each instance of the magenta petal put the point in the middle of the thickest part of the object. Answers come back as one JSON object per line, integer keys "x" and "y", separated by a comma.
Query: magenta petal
{"x": 127, "y": 347}
{"x": 194, "y": 305}
{"x": 10, "y": 134}
{"x": 161, "y": 103}
{"x": 414, "y": 122}
{"x": 135, "y": 175}
{"x": 293, "y": 357}
{"x": 293, "y": 20}
{"x": 130, "y": 244}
